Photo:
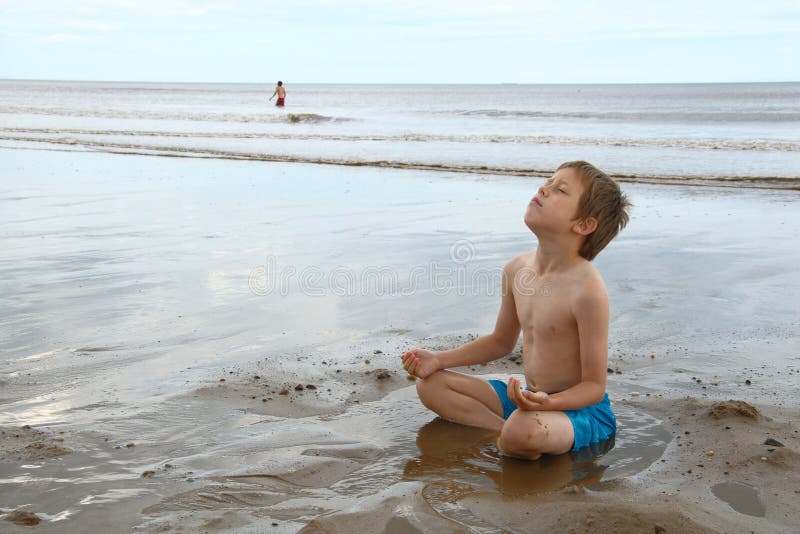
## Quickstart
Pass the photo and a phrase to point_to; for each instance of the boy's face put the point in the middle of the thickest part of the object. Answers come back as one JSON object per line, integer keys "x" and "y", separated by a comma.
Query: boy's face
{"x": 556, "y": 203}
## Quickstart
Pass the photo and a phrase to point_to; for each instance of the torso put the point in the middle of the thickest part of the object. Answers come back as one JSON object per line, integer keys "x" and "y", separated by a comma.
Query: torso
{"x": 551, "y": 346}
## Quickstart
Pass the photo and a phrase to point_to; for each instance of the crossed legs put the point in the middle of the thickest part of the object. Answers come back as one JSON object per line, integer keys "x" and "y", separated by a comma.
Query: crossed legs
{"x": 472, "y": 401}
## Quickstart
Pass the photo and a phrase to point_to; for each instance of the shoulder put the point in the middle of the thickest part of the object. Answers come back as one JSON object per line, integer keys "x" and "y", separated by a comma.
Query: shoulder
{"x": 516, "y": 263}
{"x": 589, "y": 289}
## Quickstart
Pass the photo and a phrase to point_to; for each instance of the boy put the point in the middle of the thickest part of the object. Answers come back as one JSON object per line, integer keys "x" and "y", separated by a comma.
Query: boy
{"x": 557, "y": 298}
{"x": 281, "y": 92}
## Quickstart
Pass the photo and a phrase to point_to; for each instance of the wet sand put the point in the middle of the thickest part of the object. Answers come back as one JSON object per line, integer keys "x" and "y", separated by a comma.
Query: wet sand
{"x": 141, "y": 346}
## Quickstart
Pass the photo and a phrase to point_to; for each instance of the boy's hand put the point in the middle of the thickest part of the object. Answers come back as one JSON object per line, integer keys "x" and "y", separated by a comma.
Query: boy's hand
{"x": 527, "y": 400}
{"x": 420, "y": 362}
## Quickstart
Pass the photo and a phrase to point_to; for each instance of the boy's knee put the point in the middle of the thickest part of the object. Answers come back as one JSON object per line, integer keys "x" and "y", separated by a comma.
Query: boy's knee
{"x": 427, "y": 387}
{"x": 522, "y": 440}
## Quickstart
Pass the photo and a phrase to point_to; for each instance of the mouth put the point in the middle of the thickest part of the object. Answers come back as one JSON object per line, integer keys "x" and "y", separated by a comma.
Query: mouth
{"x": 536, "y": 201}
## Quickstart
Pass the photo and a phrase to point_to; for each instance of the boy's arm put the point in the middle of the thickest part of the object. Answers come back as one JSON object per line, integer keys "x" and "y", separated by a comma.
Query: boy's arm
{"x": 423, "y": 363}
{"x": 590, "y": 309}
{"x": 498, "y": 343}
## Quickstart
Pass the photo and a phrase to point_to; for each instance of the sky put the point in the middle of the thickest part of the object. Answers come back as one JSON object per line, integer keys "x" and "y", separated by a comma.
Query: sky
{"x": 411, "y": 41}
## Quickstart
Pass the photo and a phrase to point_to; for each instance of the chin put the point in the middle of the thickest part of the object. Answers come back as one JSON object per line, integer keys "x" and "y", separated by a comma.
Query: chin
{"x": 530, "y": 223}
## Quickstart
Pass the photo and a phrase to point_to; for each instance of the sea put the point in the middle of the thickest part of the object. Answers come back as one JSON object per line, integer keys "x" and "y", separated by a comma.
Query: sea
{"x": 737, "y": 135}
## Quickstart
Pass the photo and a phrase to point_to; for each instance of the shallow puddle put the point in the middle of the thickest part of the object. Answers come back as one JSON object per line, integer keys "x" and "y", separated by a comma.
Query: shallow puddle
{"x": 741, "y": 497}
{"x": 454, "y": 460}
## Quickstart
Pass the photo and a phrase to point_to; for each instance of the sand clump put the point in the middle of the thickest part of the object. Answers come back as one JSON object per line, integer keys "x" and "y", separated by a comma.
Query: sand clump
{"x": 28, "y": 444}
{"x": 733, "y": 408}
{"x": 22, "y": 518}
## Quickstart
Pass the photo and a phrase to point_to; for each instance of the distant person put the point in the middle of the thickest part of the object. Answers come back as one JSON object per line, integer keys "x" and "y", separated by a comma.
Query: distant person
{"x": 558, "y": 300}
{"x": 281, "y": 92}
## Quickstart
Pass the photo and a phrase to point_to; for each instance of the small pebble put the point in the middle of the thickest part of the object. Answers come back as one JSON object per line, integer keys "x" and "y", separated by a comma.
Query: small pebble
{"x": 764, "y": 458}
{"x": 378, "y": 352}
{"x": 284, "y": 391}
{"x": 130, "y": 445}
{"x": 299, "y": 387}
{"x": 635, "y": 393}
{"x": 367, "y": 362}
{"x": 311, "y": 386}
{"x": 710, "y": 454}
{"x": 747, "y": 382}
{"x": 773, "y": 442}
{"x": 222, "y": 380}
{"x": 148, "y": 473}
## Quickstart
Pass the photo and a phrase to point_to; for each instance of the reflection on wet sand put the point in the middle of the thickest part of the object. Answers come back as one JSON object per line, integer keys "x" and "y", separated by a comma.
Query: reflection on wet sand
{"x": 469, "y": 459}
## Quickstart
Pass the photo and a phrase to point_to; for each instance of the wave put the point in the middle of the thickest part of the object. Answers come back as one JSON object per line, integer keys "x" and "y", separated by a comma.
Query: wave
{"x": 700, "y": 144}
{"x": 660, "y": 116}
{"x": 152, "y": 115}
{"x": 758, "y": 182}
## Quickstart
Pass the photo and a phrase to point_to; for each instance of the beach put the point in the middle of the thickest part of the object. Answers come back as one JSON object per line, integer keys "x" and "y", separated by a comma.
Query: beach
{"x": 197, "y": 341}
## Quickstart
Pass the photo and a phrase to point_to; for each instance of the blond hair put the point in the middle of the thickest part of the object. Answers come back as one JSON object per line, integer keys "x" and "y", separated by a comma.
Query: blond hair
{"x": 603, "y": 200}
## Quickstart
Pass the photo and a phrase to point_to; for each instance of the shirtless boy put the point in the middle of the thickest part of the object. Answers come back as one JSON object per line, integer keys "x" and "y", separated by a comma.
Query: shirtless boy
{"x": 558, "y": 300}
{"x": 281, "y": 92}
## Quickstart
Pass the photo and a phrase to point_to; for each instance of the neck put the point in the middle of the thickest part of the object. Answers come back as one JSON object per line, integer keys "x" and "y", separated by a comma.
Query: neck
{"x": 552, "y": 256}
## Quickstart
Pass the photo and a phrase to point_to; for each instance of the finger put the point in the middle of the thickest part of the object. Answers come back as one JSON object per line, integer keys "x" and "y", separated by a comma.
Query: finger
{"x": 412, "y": 368}
{"x": 532, "y": 400}
{"x": 539, "y": 396}
{"x": 510, "y": 394}
{"x": 513, "y": 391}
{"x": 520, "y": 397}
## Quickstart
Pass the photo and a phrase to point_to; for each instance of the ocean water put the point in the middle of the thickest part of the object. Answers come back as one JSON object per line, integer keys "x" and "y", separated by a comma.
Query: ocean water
{"x": 742, "y": 135}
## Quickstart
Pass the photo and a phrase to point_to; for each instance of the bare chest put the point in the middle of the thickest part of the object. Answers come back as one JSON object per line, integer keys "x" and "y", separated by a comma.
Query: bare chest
{"x": 544, "y": 311}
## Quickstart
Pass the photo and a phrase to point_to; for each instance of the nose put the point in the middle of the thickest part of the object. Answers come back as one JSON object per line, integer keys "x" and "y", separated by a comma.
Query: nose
{"x": 543, "y": 190}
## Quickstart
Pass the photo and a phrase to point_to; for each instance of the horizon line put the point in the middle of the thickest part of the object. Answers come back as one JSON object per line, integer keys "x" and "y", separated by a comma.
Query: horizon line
{"x": 392, "y": 83}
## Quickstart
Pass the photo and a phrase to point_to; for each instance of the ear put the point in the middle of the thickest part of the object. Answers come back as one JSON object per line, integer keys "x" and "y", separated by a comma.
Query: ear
{"x": 585, "y": 226}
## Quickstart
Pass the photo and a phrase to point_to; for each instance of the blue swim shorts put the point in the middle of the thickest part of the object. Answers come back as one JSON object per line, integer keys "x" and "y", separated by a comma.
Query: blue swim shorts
{"x": 591, "y": 424}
